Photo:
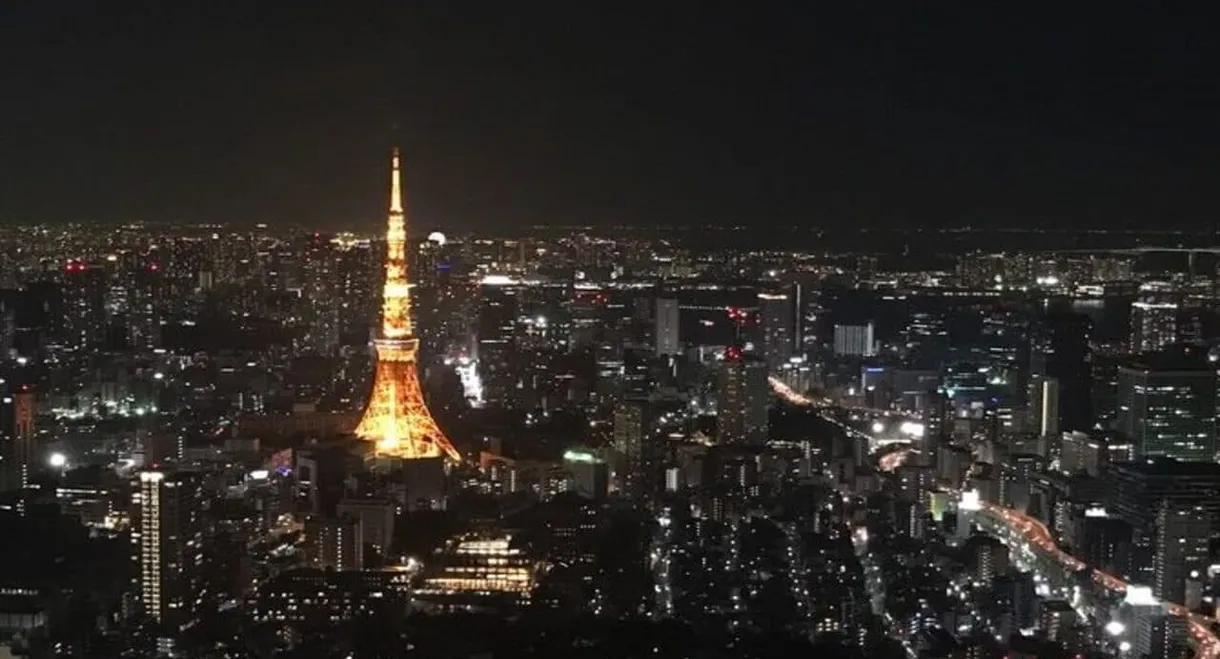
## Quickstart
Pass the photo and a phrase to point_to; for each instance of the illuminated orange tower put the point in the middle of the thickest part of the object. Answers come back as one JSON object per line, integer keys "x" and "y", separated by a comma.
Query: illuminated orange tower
{"x": 397, "y": 418}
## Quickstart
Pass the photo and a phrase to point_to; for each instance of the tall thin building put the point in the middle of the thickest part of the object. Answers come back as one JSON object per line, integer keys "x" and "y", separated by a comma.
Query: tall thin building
{"x": 631, "y": 425}
{"x": 1182, "y": 547}
{"x": 742, "y": 395}
{"x": 18, "y": 412}
{"x": 778, "y": 319}
{"x": 167, "y": 538}
{"x": 667, "y": 337}
{"x": 1044, "y": 405}
{"x": 1062, "y": 352}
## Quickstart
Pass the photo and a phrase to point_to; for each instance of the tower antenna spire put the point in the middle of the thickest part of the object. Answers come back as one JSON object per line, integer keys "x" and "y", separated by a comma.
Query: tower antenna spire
{"x": 395, "y": 183}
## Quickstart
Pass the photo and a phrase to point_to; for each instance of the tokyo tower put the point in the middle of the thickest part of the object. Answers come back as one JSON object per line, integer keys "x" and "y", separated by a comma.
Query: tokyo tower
{"x": 396, "y": 419}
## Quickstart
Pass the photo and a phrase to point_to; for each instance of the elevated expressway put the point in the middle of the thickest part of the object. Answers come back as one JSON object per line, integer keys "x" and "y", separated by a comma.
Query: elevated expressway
{"x": 1036, "y": 544}
{"x": 1033, "y": 539}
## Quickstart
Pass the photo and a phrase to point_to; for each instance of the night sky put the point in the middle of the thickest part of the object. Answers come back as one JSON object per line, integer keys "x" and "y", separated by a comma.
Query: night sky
{"x": 820, "y": 113}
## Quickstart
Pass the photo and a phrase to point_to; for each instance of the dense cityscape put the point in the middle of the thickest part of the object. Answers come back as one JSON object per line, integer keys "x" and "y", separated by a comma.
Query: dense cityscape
{"x": 243, "y": 442}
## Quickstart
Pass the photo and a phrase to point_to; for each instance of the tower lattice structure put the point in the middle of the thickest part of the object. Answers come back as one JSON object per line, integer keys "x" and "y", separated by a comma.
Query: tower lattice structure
{"x": 397, "y": 419}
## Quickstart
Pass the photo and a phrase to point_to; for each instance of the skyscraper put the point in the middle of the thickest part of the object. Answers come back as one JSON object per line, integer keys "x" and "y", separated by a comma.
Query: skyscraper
{"x": 1044, "y": 404}
{"x": 335, "y": 543}
{"x": 741, "y": 399}
{"x": 1167, "y": 406}
{"x": 778, "y": 319}
{"x": 631, "y": 426}
{"x": 1153, "y": 325}
{"x": 1182, "y": 547}
{"x": 167, "y": 539}
{"x": 1062, "y": 352}
{"x": 667, "y": 335}
{"x": 17, "y": 437}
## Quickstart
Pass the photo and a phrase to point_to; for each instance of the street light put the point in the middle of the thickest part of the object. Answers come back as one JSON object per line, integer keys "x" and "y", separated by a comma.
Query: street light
{"x": 58, "y": 462}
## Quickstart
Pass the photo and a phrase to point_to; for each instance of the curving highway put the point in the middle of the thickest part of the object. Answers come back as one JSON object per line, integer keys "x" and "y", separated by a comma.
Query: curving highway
{"x": 1035, "y": 532}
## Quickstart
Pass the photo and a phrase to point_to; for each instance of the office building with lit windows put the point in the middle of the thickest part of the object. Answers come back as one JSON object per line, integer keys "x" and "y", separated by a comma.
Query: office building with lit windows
{"x": 742, "y": 395}
{"x": 480, "y": 572}
{"x": 1167, "y": 406}
{"x": 777, "y": 318}
{"x": 1153, "y": 325}
{"x": 167, "y": 540}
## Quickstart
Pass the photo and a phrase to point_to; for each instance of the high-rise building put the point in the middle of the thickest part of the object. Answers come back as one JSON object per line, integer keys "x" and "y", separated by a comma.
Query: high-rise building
{"x": 1044, "y": 405}
{"x": 668, "y": 339}
{"x": 777, "y": 317}
{"x": 84, "y": 304}
{"x": 1062, "y": 352}
{"x": 1167, "y": 406}
{"x": 1153, "y": 325}
{"x": 1138, "y": 489}
{"x": 590, "y": 475}
{"x": 334, "y": 543}
{"x": 1055, "y": 618}
{"x": 18, "y": 450}
{"x": 855, "y": 340}
{"x": 495, "y": 327}
{"x": 1182, "y": 548}
{"x": 742, "y": 395}
{"x": 376, "y": 521}
{"x": 631, "y": 430}
{"x": 168, "y": 542}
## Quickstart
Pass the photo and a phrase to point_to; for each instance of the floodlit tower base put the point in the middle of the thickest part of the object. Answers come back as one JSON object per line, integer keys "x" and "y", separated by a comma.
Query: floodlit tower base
{"x": 397, "y": 420}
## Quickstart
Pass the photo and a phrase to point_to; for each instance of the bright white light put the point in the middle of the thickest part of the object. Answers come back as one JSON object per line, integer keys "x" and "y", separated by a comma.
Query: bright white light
{"x": 58, "y": 460}
{"x": 158, "y": 376}
{"x": 878, "y": 427}
{"x": 1115, "y": 628}
{"x": 1141, "y": 596}
{"x": 1125, "y": 646}
{"x": 970, "y": 501}
{"x": 437, "y": 237}
{"x": 472, "y": 384}
{"x": 912, "y": 428}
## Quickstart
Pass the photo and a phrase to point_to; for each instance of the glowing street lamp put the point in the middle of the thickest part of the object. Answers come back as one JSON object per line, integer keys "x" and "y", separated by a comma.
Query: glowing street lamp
{"x": 59, "y": 462}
